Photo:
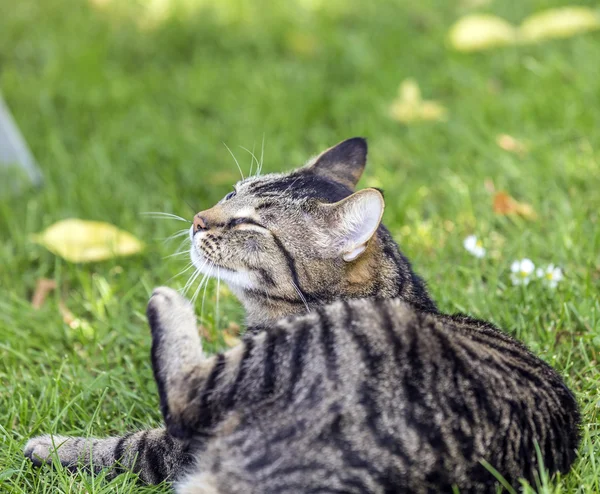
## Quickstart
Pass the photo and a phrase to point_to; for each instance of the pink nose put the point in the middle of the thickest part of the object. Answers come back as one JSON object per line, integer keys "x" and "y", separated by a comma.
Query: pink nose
{"x": 200, "y": 223}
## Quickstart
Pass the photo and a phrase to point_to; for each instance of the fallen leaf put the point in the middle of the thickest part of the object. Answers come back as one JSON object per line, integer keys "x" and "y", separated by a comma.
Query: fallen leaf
{"x": 87, "y": 241}
{"x": 42, "y": 288}
{"x": 510, "y": 144}
{"x": 231, "y": 341}
{"x": 74, "y": 322}
{"x": 506, "y": 205}
{"x": 205, "y": 333}
{"x": 559, "y": 23}
{"x": 480, "y": 32}
{"x": 233, "y": 329}
{"x": 410, "y": 107}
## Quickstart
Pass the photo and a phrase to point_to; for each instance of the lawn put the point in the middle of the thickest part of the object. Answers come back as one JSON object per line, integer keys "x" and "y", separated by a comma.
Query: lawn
{"x": 128, "y": 111}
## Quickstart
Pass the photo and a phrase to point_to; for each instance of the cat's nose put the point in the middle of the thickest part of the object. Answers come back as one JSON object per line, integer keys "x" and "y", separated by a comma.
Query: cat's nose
{"x": 200, "y": 223}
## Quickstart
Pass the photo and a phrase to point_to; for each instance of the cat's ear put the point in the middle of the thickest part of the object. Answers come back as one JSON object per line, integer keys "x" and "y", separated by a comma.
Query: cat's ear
{"x": 353, "y": 221}
{"x": 343, "y": 163}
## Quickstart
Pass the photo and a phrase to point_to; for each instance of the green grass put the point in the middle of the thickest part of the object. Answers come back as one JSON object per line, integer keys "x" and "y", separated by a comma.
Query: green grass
{"x": 125, "y": 119}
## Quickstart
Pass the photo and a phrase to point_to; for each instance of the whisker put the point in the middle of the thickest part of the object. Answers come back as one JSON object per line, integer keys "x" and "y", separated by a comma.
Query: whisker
{"x": 218, "y": 295}
{"x": 254, "y": 158}
{"x": 161, "y": 215}
{"x": 252, "y": 161}
{"x": 235, "y": 159}
{"x": 203, "y": 298}
{"x": 178, "y": 234}
{"x": 177, "y": 254}
{"x": 191, "y": 280}
{"x": 262, "y": 155}
{"x": 300, "y": 295}
{"x": 187, "y": 268}
{"x": 203, "y": 281}
{"x": 183, "y": 249}
{"x": 198, "y": 288}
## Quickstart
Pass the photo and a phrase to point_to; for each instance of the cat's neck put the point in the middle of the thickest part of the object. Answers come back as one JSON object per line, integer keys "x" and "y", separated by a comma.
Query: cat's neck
{"x": 262, "y": 311}
{"x": 382, "y": 272}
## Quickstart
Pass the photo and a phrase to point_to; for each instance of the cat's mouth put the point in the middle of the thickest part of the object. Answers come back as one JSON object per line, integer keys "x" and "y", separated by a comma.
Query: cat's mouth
{"x": 239, "y": 278}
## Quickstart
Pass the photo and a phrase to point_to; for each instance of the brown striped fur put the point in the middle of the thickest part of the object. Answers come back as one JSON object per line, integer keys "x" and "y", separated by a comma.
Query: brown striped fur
{"x": 372, "y": 390}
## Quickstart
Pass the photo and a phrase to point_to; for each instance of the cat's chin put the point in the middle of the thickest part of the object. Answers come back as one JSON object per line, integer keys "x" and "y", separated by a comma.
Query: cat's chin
{"x": 238, "y": 279}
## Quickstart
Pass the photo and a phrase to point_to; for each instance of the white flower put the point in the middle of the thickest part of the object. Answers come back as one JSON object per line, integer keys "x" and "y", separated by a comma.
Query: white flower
{"x": 550, "y": 276}
{"x": 521, "y": 271}
{"x": 474, "y": 246}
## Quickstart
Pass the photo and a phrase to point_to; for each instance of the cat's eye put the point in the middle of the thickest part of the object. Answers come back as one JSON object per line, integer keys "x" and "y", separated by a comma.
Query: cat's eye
{"x": 230, "y": 195}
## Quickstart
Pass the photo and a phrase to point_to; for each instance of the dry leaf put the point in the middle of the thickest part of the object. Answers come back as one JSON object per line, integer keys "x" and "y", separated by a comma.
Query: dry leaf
{"x": 205, "y": 333}
{"x": 68, "y": 317}
{"x": 231, "y": 341}
{"x": 74, "y": 322}
{"x": 559, "y": 23}
{"x": 510, "y": 144}
{"x": 233, "y": 329}
{"x": 504, "y": 204}
{"x": 410, "y": 107}
{"x": 481, "y": 32}
{"x": 87, "y": 241}
{"x": 42, "y": 288}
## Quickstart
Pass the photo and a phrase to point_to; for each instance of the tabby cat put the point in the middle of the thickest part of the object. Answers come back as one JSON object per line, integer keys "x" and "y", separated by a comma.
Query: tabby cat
{"x": 348, "y": 380}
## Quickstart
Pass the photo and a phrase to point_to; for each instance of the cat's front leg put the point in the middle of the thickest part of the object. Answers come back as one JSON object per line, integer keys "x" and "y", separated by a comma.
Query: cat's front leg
{"x": 153, "y": 454}
{"x": 176, "y": 353}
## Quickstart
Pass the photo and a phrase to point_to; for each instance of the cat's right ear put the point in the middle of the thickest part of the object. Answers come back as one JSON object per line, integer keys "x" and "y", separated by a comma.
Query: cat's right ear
{"x": 343, "y": 163}
{"x": 352, "y": 222}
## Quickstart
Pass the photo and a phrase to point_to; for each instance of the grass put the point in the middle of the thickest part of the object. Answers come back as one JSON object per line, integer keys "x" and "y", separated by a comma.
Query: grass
{"x": 128, "y": 114}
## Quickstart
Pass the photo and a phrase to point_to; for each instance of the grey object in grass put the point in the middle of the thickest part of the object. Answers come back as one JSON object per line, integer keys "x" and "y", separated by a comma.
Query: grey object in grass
{"x": 13, "y": 149}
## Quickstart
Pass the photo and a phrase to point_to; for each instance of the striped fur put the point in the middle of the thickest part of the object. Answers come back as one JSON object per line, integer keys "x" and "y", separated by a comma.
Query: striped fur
{"x": 378, "y": 392}
{"x": 361, "y": 396}
{"x": 153, "y": 454}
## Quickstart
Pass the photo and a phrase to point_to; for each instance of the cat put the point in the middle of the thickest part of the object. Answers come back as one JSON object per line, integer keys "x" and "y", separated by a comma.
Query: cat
{"x": 348, "y": 379}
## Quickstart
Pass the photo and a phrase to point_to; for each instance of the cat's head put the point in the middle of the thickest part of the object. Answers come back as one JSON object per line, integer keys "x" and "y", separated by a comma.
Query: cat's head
{"x": 288, "y": 241}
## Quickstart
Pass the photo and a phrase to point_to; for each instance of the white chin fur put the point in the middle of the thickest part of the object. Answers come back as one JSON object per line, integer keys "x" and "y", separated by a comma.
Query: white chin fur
{"x": 239, "y": 279}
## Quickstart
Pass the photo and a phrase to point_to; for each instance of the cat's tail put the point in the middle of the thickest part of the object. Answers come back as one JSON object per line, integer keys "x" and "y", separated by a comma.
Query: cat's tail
{"x": 153, "y": 454}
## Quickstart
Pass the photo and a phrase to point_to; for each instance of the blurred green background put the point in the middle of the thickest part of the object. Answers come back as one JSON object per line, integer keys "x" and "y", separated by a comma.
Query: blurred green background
{"x": 126, "y": 106}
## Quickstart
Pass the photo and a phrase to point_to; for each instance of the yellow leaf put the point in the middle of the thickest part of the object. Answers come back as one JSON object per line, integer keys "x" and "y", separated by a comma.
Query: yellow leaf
{"x": 231, "y": 341}
{"x": 87, "y": 241}
{"x": 480, "y": 32}
{"x": 559, "y": 23}
{"x": 409, "y": 107}
{"x": 510, "y": 144}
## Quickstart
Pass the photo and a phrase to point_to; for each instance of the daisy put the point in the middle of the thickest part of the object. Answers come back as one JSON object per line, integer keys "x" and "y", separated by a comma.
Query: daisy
{"x": 474, "y": 246}
{"x": 550, "y": 276}
{"x": 521, "y": 271}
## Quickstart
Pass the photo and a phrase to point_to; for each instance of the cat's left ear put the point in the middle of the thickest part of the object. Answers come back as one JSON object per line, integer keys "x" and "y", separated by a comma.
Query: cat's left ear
{"x": 343, "y": 163}
{"x": 353, "y": 221}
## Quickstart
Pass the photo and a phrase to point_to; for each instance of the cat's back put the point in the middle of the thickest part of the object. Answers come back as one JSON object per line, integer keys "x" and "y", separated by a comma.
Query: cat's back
{"x": 376, "y": 396}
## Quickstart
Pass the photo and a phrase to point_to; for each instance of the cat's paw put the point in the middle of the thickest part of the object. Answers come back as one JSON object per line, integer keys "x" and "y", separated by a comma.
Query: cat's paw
{"x": 43, "y": 449}
{"x": 168, "y": 309}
